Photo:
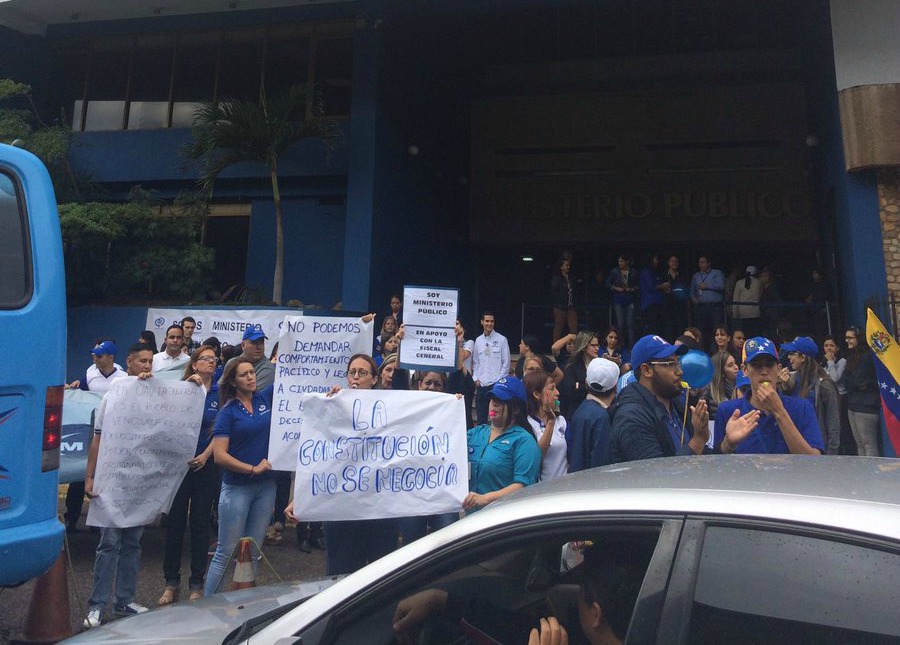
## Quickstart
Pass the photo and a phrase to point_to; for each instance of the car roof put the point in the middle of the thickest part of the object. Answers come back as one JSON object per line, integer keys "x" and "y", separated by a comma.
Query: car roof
{"x": 857, "y": 495}
{"x": 806, "y": 489}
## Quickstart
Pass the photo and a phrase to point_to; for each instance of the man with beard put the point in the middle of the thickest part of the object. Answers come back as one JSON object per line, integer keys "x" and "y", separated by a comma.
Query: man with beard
{"x": 649, "y": 419}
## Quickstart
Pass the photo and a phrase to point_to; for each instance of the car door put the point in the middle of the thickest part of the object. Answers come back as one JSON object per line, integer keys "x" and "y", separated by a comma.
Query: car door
{"x": 500, "y": 582}
{"x": 742, "y": 582}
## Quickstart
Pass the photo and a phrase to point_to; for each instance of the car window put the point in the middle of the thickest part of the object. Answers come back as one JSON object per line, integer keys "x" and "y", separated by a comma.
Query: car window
{"x": 13, "y": 258}
{"x": 756, "y": 586}
{"x": 500, "y": 588}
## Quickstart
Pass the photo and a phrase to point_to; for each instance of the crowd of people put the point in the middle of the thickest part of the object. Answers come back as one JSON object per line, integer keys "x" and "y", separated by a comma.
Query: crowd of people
{"x": 591, "y": 400}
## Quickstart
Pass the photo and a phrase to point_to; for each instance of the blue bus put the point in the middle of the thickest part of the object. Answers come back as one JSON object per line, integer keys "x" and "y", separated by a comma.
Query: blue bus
{"x": 33, "y": 349}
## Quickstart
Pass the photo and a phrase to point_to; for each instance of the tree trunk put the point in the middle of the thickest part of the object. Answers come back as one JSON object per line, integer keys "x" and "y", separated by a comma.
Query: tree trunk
{"x": 279, "y": 237}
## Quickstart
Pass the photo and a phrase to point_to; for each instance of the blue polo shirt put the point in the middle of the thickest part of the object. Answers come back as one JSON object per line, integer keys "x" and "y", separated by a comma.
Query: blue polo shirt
{"x": 210, "y": 410}
{"x": 766, "y": 438}
{"x": 247, "y": 432}
{"x": 512, "y": 458}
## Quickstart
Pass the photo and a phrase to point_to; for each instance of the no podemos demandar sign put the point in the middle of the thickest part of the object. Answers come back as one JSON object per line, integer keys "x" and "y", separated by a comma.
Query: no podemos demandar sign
{"x": 313, "y": 353}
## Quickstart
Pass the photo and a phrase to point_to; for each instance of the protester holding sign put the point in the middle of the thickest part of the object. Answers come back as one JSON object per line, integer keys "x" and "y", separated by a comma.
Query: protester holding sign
{"x": 352, "y": 544}
{"x": 240, "y": 445}
{"x": 413, "y": 528}
{"x": 503, "y": 455}
{"x": 197, "y": 491}
{"x": 119, "y": 551}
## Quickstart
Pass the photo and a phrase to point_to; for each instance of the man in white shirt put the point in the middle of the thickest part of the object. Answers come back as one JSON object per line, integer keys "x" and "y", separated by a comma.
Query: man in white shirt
{"x": 172, "y": 357}
{"x": 490, "y": 362}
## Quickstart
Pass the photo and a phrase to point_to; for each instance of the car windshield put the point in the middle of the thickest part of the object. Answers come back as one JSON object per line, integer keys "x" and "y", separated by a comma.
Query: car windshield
{"x": 258, "y": 623}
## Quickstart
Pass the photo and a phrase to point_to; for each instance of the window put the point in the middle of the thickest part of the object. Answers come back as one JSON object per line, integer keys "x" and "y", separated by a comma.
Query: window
{"x": 14, "y": 264}
{"x": 505, "y": 584}
{"x": 768, "y": 587}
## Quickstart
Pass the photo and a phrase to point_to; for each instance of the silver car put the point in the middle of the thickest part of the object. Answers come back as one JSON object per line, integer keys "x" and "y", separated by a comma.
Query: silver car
{"x": 726, "y": 549}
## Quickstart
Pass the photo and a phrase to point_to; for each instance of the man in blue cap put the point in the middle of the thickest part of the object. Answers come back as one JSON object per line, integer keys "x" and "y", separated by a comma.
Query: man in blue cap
{"x": 649, "y": 418}
{"x": 765, "y": 421}
{"x": 99, "y": 376}
{"x": 253, "y": 348}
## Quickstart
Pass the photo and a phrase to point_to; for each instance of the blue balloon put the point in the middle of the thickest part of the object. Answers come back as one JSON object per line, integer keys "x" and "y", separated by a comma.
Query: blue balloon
{"x": 697, "y": 368}
{"x": 625, "y": 380}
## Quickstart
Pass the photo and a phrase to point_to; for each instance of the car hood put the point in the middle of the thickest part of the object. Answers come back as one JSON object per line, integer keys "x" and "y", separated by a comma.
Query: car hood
{"x": 205, "y": 621}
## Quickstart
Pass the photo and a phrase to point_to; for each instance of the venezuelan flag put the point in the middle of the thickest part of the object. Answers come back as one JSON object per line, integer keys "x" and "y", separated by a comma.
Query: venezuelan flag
{"x": 887, "y": 367}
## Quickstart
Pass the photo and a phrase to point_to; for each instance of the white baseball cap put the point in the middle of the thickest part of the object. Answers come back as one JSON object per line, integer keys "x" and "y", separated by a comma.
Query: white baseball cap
{"x": 602, "y": 375}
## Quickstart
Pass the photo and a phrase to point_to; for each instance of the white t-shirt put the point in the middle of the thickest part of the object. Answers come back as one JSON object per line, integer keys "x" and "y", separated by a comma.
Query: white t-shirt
{"x": 555, "y": 463}
{"x": 163, "y": 361}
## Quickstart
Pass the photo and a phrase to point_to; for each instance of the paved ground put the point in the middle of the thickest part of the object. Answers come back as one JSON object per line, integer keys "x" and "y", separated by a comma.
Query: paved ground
{"x": 287, "y": 560}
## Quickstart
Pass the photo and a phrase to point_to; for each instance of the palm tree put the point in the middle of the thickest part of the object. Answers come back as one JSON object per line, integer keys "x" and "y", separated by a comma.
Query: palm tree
{"x": 234, "y": 131}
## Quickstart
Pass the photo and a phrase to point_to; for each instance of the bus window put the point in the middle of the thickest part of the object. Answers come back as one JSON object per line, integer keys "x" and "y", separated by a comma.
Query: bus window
{"x": 13, "y": 258}
{"x": 32, "y": 314}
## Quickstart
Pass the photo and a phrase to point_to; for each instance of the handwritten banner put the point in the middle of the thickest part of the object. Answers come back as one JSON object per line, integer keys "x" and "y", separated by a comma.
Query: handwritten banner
{"x": 150, "y": 430}
{"x": 429, "y": 322}
{"x": 313, "y": 353}
{"x": 228, "y": 325}
{"x": 369, "y": 454}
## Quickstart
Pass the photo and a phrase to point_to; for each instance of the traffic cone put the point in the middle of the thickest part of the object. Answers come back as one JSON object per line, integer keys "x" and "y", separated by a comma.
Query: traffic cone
{"x": 48, "y": 619}
{"x": 243, "y": 567}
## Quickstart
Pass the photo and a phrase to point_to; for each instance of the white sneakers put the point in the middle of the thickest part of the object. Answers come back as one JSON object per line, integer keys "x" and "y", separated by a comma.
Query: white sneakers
{"x": 93, "y": 618}
{"x": 131, "y": 609}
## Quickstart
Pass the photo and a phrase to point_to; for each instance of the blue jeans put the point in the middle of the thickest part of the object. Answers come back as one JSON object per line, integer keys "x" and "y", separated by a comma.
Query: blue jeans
{"x": 244, "y": 511}
{"x": 118, "y": 557}
{"x": 625, "y": 323}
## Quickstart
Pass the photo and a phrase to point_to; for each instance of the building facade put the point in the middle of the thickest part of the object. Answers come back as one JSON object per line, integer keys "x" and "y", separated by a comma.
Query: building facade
{"x": 477, "y": 135}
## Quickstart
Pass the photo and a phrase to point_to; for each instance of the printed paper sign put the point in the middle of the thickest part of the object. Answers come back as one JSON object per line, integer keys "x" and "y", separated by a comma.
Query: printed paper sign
{"x": 369, "y": 454}
{"x": 431, "y": 348}
{"x": 150, "y": 430}
{"x": 228, "y": 325}
{"x": 429, "y": 324}
{"x": 313, "y": 353}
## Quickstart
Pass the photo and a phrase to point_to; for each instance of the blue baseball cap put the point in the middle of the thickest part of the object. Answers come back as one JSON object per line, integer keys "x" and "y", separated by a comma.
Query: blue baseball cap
{"x": 254, "y": 332}
{"x": 802, "y": 344}
{"x": 652, "y": 347}
{"x": 758, "y": 346}
{"x": 742, "y": 380}
{"x": 508, "y": 388}
{"x": 106, "y": 347}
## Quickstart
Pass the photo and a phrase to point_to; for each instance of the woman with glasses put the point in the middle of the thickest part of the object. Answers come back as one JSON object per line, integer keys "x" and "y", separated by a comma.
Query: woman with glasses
{"x": 240, "y": 445}
{"x": 352, "y": 544}
{"x": 193, "y": 502}
{"x": 863, "y": 398}
{"x": 574, "y": 387}
{"x": 503, "y": 454}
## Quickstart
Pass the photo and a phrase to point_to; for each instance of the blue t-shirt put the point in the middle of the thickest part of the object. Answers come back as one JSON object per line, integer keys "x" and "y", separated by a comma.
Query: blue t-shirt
{"x": 210, "y": 410}
{"x": 248, "y": 433}
{"x": 766, "y": 438}
{"x": 513, "y": 457}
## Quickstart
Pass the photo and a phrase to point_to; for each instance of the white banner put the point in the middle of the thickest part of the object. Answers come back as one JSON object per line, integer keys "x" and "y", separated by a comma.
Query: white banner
{"x": 150, "y": 430}
{"x": 369, "y": 454}
{"x": 313, "y": 353}
{"x": 429, "y": 324}
{"x": 228, "y": 325}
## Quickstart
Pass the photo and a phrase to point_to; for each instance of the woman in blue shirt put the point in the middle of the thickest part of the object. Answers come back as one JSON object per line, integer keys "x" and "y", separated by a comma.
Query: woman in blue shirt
{"x": 197, "y": 490}
{"x": 503, "y": 455}
{"x": 241, "y": 446}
